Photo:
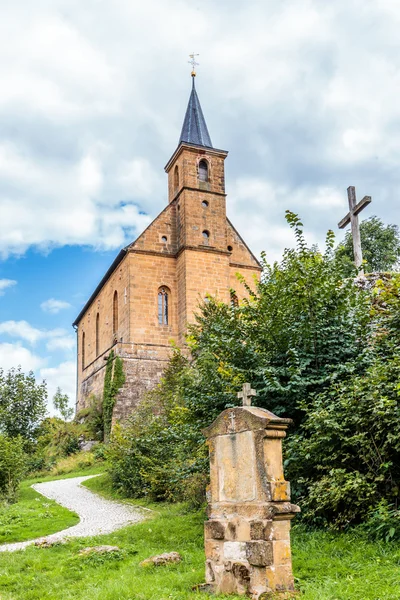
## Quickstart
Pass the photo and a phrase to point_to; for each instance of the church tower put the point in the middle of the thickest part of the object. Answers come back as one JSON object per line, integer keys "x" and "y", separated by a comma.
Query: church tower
{"x": 156, "y": 284}
{"x": 196, "y": 186}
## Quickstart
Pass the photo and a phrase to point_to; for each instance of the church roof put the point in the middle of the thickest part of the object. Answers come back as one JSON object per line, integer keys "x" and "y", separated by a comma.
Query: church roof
{"x": 194, "y": 129}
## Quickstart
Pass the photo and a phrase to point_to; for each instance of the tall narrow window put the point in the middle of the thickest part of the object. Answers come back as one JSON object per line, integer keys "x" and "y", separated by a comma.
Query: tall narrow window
{"x": 234, "y": 300}
{"x": 115, "y": 313}
{"x": 176, "y": 178}
{"x": 163, "y": 306}
{"x": 203, "y": 170}
{"x": 97, "y": 334}
{"x": 83, "y": 350}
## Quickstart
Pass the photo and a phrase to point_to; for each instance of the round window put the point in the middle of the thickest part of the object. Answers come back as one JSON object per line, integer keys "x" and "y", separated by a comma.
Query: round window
{"x": 204, "y": 204}
{"x": 230, "y": 248}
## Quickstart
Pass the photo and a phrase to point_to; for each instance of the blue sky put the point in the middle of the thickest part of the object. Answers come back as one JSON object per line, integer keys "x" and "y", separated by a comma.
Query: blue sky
{"x": 303, "y": 94}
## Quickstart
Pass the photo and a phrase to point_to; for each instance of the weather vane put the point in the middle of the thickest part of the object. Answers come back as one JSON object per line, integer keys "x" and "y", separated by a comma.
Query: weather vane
{"x": 193, "y": 62}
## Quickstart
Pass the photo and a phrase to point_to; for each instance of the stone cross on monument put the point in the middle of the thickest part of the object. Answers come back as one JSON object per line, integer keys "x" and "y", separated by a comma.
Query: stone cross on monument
{"x": 246, "y": 394}
{"x": 352, "y": 217}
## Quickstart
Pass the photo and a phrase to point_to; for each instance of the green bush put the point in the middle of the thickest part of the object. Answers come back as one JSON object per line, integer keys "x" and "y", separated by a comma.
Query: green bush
{"x": 159, "y": 450}
{"x": 345, "y": 459}
{"x": 317, "y": 348}
{"x": 91, "y": 419}
{"x": 12, "y": 466}
{"x": 383, "y": 522}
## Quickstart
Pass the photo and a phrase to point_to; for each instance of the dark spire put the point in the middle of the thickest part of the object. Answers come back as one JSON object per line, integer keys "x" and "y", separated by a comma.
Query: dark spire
{"x": 194, "y": 129}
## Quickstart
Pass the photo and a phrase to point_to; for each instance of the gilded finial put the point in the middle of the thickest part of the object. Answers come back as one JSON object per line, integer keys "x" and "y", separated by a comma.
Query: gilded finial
{"x": 193, "y": 62}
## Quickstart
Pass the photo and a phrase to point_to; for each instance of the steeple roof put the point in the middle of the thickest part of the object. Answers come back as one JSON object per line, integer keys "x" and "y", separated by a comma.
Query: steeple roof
{"x": 194, "y": 129}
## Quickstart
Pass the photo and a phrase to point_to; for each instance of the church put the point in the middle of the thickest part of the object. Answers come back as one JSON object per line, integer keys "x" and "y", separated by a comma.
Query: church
{"x": 155, "y": 285}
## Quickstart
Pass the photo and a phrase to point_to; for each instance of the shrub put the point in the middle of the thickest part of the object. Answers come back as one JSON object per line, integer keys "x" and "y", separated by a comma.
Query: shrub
{"x": 383, "y": 522}
{"x": 12, "y": 466}
{"x": 159, "y": 450}
{"x": 91, "y": 419}
{"x": 345, "y": 459}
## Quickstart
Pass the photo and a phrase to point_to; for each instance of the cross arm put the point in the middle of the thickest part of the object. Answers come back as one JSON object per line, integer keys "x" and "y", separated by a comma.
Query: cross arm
{"x": 357, "y": 209}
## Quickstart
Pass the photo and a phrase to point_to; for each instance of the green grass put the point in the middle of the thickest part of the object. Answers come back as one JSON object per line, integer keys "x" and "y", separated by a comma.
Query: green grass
{"x": 326, "y": 566}
{"x": 33, "y": 516}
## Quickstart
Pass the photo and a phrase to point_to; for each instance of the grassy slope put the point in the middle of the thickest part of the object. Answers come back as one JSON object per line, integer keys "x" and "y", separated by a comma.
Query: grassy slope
{"x": 327, "y": 567}
{"x": 33, "y": 516}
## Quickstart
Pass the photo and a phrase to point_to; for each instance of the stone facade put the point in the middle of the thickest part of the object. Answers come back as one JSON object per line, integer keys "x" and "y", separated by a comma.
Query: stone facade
{"x": 247, "y": 536}
{"x": 190, "y": 251}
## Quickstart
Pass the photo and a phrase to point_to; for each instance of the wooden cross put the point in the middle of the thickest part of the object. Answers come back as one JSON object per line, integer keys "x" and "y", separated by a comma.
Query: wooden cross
{"x": 352, "y": 217}
{"x": 246, "y": 394}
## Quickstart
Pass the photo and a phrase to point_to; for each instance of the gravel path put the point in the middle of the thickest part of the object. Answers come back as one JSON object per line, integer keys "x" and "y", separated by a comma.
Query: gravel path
{"x": 97, "y": 515}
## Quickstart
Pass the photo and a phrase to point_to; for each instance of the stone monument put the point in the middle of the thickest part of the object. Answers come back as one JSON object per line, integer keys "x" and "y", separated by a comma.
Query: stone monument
{"x": 247, "y": 536}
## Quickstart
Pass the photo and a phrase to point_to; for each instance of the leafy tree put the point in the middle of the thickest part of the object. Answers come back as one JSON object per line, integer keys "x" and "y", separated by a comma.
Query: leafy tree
{"x": 345, "y": 458}
{"x": 22, "y": 404}
{"x": 12, "y": 466}
{"x": 301, "y": 327}
{"x": 380, "y": 247}
{"x": 61, "y": 403}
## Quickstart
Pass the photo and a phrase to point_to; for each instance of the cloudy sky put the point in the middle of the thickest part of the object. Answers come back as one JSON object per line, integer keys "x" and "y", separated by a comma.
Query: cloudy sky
{"x": 304, "y": 94}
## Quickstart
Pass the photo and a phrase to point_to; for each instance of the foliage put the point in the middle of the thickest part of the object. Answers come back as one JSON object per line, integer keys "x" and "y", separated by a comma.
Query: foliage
{"x": 317, "y": 348}
{"x": 91, "y": 419}
{"x": 61, "y": 403}
{"x": 380, "y": 247}
{"x": 159, "y": 450}
{"x": 114, "y": 379}
{"x": 12, "y": 466}
{"x": 58, "y": 438}
{"x": 383, "y": 522}
{"x": 22, "y": 405}
{"x": 301, "y": 327}
{"x": 346, "y": 456}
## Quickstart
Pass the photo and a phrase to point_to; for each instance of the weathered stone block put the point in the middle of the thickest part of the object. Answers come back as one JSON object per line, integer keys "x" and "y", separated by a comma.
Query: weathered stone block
{"x": 259, "y": 553}
{"x": 257, "y": 529}
{"x": 235, "y": 551}
{"x": 213, "y": 550}
{"x": 282, "y": 554}
{"x": 280, "y": 491}
{"x": 214, "y": 530}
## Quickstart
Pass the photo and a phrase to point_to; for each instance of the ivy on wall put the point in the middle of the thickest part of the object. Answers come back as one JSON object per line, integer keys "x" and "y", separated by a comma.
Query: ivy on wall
{"x": 114, "y": 379}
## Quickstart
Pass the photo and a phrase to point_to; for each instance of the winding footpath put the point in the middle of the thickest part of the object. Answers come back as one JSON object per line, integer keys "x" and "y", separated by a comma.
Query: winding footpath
{"x": 97, "y": 515}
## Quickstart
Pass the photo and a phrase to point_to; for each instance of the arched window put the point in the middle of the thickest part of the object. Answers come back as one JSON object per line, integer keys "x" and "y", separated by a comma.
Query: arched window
{"x": 163, "y": 306}
{"x": 83, "y": 350}
{"x": 176, "y": 177}
{"x": 97, "y": 334}
{"x": 203, "y": 170}
{"x": 234, "y": 300}
{"x": 115, "y": 313}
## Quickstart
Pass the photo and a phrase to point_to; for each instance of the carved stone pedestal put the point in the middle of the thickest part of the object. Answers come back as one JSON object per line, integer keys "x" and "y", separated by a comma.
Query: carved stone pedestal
{"x": 247, "y": 536}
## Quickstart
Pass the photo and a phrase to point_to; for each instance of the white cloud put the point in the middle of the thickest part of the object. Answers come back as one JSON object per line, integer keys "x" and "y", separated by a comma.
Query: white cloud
{"x": 21, "y": 329}
{"x": 14, "y": 355}
{"x": 63, "y": 376}
{"x": 5, "y": 284}
{"x": 56, "y": 339}
{"x": 66, "y": 343}
{"x": 54, "y": 306}
{"x": 101, "y": 110}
